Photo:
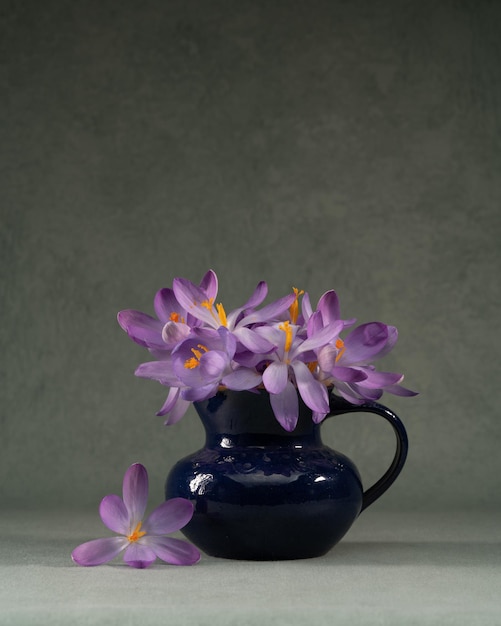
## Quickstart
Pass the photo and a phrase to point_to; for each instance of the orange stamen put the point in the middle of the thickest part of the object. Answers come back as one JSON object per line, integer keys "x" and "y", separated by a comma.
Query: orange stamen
{"x": 312, "y": 366}
{"x": 341, "y": 347}
{"x": 222, "y": 314}
{"x": 294, "y": 307}
{"x": 286, "y": 327}
{"x": 137, "y": 533}
{"x": 194, "y": 361}
{"x": 207, "y": 303}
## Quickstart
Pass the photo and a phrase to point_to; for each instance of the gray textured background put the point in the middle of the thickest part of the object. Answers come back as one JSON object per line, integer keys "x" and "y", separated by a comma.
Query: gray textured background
{"x": 325, "y": 144}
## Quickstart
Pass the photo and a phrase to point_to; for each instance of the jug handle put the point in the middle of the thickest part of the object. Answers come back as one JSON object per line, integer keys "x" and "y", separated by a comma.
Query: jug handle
{"x": 338, "y": 406}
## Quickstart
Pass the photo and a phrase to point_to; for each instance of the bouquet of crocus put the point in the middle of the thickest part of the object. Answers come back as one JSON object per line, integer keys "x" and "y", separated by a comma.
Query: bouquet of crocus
{"x": 284, "y": 347}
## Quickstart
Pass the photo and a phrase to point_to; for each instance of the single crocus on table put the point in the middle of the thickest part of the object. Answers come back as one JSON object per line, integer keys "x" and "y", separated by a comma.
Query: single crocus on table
{"x": 141, "y": 541}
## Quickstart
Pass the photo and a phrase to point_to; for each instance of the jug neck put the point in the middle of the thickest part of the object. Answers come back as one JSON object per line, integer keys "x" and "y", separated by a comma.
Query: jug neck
{"x": 244, "y": 418}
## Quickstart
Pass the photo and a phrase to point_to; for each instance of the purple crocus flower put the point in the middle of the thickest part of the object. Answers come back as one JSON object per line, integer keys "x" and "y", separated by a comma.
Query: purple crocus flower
{"x": 287, "y": 372}
{"x": 173, "y": 323}
{"x": 239, "y": 321}
{"x": 175, "y": 406}
{"x": 196, "y": 369}
{"x": 141, "y": 541}
{"x": 204, "y": 362}
{"x": 348, "y": 364}
{"x": 327, "y": 312}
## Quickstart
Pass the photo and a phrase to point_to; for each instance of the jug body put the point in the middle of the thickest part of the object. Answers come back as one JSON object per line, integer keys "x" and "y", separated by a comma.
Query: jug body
{"x": 263, "y": 493}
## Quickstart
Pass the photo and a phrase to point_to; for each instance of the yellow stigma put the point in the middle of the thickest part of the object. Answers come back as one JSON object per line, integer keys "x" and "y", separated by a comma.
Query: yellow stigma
{"x": 286, "y": 327}
{"x": 207, "y": 303}
{"x": 174, "y": 317}
{"x": 222, "y": 314}
{"x": 137, "y": 533}
{"x": 294, "y": 307}
{"x": 340, "y": 346}
{"x": 194, "y": 361}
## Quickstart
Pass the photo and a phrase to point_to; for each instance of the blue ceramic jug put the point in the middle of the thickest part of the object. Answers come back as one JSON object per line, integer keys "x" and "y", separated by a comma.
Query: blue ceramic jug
{"x": 263, "y": 493}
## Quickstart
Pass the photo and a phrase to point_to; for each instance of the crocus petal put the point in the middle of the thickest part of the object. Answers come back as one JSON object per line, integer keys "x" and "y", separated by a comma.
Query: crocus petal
{"x": 321, "y": 338}
{"x": 253, "y": 341}
{"x": 348, "y": 374}
{"x": 174, "y": 332}
{"x": 327, "y": 357}
{"x": 173, "y": 551}
{"x": 98, "y": 551}
{"x": 175, "y": 406}
{"x": 313, "y": 393}
{"x": 114, "y": 514}
{"x": 228, "y": 341}
{"x": 327, "y": 361}
{"x": 139, "y": 555}
{"x": 177, "y": 411}
{"x": 256, "y": 298}
{"x": 135, "y": 492}
{"x": 242, "y": 378}
{"x": 259, "y": 294}
{"x": 398, "y": 390}
{"x": 272, "y": 334}
{"x": 328, "y": 305}
{"x": 269, "y": 311}
{"x": 318, "y": 417}
{"x": 367, "y": 393}
{"x": 209, "y": 284}
{"x": 315, "y": 323}
{"x": 390, "y": 342}
{"x": 141, "y": 328}
{"x": 169, "y": 517}
{"x": 162, "y": 371}
{"x": 212, "y": 365}
{"x": 346, "y": 392}
{"x": 285, "y": 406}
{"x": 165, "y": 304}
{"x": 378, "y": 380}
{"x": 306, "y": 308}
{"x": 365, "y": 342}
{"x": 196, "y": 394}
{"x": 275, "y": 377}
{"x": 190, "y": 297}
{"x": 248, "y": 359}
{"x": 170, "y": 401}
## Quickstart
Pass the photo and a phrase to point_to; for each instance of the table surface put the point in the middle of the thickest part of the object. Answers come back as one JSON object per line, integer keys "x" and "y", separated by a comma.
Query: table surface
{"x": 391, "y": 568}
